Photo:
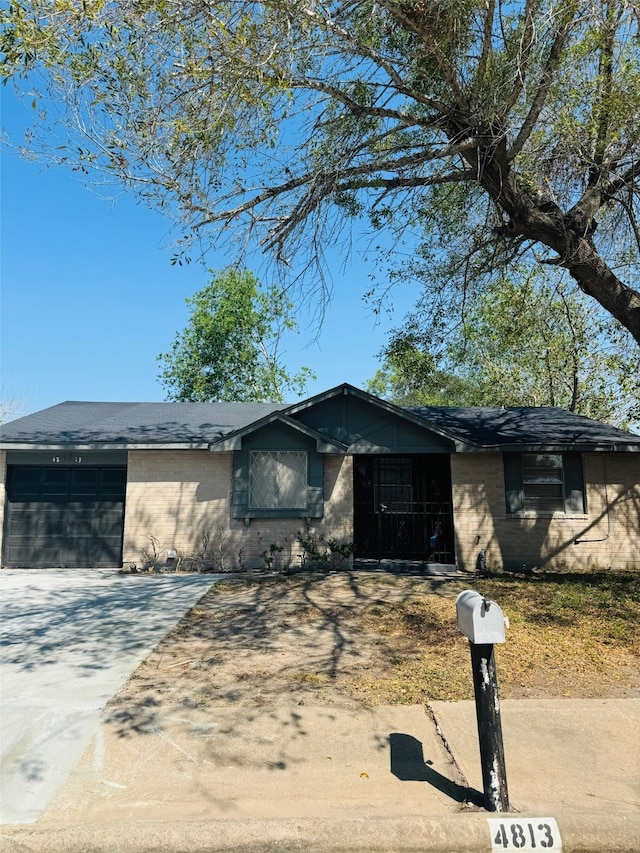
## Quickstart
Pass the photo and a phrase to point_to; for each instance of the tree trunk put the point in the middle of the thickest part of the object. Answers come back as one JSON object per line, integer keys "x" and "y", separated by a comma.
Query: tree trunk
{"x": 580, "y": 257}
{"x": 547, "y": 224}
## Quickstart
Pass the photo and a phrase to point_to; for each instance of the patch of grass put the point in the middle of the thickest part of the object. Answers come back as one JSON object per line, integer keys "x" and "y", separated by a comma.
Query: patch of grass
{"x": 569, "y": 636}
{"x": 602, "y": 606}
{"x": 313, "y": 679}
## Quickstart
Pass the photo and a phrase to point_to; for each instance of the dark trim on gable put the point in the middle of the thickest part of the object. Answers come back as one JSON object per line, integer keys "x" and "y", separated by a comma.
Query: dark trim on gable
{"x": 233, "y": 441}
{"x": 390, "y": 408}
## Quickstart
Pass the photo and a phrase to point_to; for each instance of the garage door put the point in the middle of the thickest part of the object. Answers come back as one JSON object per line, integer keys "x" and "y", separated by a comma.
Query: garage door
{"x": 64, "y": 516}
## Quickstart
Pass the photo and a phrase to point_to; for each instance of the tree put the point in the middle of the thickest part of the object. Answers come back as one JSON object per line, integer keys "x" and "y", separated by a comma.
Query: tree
{"x": 11, "y": 408}
{"x": 527, "y": 341}
{"x": 409, "y": 377}
{"x": 229, "y": 350}
{"x": 516, "y": 123}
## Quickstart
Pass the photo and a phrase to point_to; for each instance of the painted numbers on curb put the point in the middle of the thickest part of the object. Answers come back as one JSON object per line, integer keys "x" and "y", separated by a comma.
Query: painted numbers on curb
{"x": 524, "y": 834}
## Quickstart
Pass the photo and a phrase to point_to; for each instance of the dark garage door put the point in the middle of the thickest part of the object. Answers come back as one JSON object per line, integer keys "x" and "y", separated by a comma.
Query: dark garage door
{"x": 64, "y": 516}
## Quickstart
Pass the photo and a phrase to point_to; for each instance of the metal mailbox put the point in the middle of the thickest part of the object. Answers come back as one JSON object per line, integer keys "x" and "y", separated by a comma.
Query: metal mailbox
{"x": 480, "y": 619}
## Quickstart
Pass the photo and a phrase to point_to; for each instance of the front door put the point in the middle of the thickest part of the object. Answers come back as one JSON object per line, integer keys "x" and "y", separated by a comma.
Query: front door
{"x": 402, "y": 507}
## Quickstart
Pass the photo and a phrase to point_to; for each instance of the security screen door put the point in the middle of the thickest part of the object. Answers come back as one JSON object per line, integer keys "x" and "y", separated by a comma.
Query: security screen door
{"x": 402, "y": 507}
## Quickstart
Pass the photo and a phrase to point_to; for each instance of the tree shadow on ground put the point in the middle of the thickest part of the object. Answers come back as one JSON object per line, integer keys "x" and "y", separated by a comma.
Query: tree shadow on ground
{"x": 87, "y": 623}
{"x": 254, "y": 642}
{"x": 561, "y": 598}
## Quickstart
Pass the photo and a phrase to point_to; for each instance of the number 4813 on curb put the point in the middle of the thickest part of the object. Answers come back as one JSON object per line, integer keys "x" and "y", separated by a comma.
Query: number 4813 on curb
{"x": 540, "y": 833}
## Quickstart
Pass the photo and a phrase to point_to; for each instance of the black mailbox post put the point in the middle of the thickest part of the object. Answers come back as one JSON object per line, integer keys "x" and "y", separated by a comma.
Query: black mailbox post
{"x": 482, "y": 622}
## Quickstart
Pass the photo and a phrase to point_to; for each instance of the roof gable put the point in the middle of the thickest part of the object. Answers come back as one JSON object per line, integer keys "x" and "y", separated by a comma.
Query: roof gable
{"x": 367, "y": 424}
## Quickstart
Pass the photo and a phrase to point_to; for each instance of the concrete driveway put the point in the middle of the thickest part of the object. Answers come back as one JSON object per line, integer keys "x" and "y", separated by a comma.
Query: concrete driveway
{"x": 69, "y": 639}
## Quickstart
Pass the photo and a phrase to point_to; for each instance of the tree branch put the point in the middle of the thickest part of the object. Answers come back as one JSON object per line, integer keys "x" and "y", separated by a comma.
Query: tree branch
{"x": 323, "y": 178}
{"x": 378, "y": 59}
{"x": 358, "y": 109}
{"x": 418, "y": 24}
{"x": 486, "y": 47}
{"x": 544, "y": 85}
{"x": 600, "y": 111}
{"x": 631, "y": 216}
{"x": 591, "y": 201}
{"x": 524, "y": 52}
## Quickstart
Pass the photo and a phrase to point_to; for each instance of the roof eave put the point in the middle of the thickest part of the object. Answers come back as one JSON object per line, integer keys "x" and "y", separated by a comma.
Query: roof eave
{"x": 550, "y": 447}
{"x": 103, "y": 445}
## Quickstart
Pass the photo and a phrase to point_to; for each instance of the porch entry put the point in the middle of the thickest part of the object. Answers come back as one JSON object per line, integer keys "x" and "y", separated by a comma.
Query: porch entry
{"x": 402, "y": 507}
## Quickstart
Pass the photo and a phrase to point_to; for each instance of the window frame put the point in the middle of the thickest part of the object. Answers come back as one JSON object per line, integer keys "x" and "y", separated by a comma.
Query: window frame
{"x": 574, "y": 501}
{"x": 540, "y": 483}
{"x": 254, "y": 455}
{"x": 276, "y": 440}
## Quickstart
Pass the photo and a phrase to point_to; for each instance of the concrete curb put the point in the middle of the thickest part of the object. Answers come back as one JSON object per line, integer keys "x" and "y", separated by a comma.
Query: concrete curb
{"x": 462, "y": 833}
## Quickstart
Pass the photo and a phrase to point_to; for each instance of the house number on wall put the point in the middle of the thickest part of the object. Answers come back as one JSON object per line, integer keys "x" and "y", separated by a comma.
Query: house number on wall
{"x": 66, "y": 457}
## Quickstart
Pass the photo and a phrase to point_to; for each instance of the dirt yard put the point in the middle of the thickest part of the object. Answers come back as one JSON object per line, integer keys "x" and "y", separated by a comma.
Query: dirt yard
{"x": 369, "y": 638}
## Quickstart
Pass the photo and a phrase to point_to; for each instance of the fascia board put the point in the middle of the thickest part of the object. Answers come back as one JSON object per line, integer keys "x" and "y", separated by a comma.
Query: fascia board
{"x": 549, "y": 447}
{"x": 105, "y": 446}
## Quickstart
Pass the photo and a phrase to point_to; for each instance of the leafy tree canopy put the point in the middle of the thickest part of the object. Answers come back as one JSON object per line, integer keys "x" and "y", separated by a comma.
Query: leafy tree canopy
{"x": 528, "y": 341}
{"x": 516, "y": 124}
{"x": 229, "y": 349}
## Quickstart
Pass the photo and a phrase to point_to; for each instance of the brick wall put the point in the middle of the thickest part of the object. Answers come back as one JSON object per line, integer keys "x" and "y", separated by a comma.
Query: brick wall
{"x": 478, "y": 498}
{"x": 481, "y": 520}
{"x": 175, "y": 496}
{"x": 338, "y": 497}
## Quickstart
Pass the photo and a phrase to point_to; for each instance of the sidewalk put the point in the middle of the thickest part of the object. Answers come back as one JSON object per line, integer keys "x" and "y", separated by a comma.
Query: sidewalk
{"x": 339, "y": 778}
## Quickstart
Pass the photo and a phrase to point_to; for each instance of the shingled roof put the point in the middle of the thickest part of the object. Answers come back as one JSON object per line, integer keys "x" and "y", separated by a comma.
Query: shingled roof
{"x": 517, "y": 427}
{"x": 199, "y": 425}
{"x": 77, "y": 423}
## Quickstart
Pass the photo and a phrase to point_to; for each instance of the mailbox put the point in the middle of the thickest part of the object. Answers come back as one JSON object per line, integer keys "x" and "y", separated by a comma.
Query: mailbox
{"x": 480, "y": 619}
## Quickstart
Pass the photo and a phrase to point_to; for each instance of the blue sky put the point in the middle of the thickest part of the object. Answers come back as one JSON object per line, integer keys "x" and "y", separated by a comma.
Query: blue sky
{"x": 89, "y": 297}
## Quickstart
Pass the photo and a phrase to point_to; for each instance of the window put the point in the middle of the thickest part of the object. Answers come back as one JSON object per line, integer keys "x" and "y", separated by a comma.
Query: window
{"x": 287, "y": 483}
{"x": 544, "y": 483}
{"x": 278, "y": 479}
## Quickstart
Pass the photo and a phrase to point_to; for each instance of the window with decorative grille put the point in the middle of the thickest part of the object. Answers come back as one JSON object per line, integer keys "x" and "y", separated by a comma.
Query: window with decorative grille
{"x": 278, "y": 479}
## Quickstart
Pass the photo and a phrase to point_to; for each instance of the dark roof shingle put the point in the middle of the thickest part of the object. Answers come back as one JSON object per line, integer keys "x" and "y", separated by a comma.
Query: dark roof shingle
{"x": 523, "y": 426}
{"x": 122, "y": 425}
{"x": 133, "y": 423}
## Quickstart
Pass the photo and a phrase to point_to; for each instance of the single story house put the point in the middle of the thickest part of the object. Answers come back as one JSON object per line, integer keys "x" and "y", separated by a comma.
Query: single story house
{"x": 240, "y": 485}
